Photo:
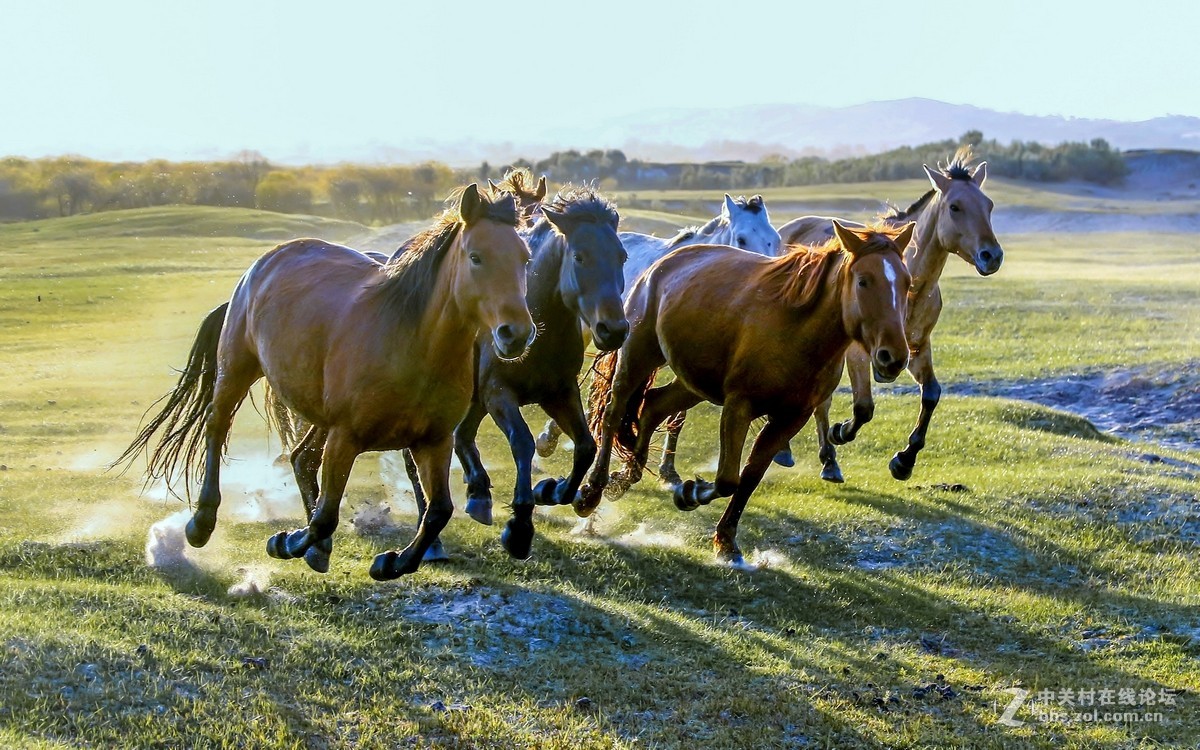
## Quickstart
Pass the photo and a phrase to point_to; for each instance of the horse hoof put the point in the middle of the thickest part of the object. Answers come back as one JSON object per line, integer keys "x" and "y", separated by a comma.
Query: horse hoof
{"x": 298, "y": 542}
{"x": 684, "y": 496}
{"x": 480, "y": 508}
{"x": 544, "y": 492}
{"x": 545, "y": 445}
{"x": 384, "y": 566}
{"x": 277, "y": 547}
{"x": 835, "y": 434}
{"x": 586, "y": 501}
{"x": 832, "y": 473}
{"x": 318, "y": 554}
{"x": 784, "y": 458}
{"x": 517, "y": 538}
{"x": 435, "y": 553}
{"x": 197, "y": 536}
{"x": 900, "y": 469}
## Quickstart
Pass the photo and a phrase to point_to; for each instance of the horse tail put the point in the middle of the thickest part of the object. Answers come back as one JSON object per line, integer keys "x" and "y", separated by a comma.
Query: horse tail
{"x": 280, "y": 419}
{"x": 625, "y": 439}
{"x": 182, "y": 417}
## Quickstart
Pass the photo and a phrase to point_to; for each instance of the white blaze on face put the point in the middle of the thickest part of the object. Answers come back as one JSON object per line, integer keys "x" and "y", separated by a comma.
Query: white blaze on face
{"x": 889, "y": 273}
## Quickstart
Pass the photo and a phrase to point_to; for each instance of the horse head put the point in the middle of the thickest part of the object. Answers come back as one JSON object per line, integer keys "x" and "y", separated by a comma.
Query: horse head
{"x": 492, "y": 258}
{"x": 875, "y": 295}
{"x": 750, "y": 226}
{"x": 963, "y": 218}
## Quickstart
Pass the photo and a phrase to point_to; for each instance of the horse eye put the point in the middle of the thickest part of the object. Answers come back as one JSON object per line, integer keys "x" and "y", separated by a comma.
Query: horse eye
{"x": 476, "y": 260}
{"x": 863, "y": 282}
{"x": 741, "y": 241}
{"x": 578, "y": 257}
{"x": 954, "y": 208}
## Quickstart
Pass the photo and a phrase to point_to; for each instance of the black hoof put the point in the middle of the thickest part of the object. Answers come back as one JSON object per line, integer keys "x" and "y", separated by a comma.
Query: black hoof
{"x": 784, "y": 458}
{"x": 435, "y": 553}
{"x": 517, "y": 538}
{"x": 685, "y": 496}
{"x": 480, "y": 508}
{"x": 832, "y": 473}
{"x": 317, "y": 556}
{"x": 276, "y": 546}
{"x": 836, "y": 436}
{"x": 198, "y": 536}
{"x": 544, "y": 492}
{"x": 587, "y": 499}
{"x": 384, "y": 568}
{"x": 900, "y": 468}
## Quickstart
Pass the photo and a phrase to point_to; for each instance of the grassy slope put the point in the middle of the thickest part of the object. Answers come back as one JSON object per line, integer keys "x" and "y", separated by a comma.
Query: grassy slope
{"x": 1001, "y": 583}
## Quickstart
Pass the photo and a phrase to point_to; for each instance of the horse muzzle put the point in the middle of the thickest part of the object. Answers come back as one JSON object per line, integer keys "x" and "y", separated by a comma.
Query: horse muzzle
{"x": 610, "y": 334}
{"x": 988, "y": 260}
{"x": 886, "y": 367}
{"x": 511, "y": 341}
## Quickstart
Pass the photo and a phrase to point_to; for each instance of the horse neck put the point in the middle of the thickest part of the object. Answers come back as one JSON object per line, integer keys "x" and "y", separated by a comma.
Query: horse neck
{"x": 716, "y": 232}
{"x": 926, "y": 257}
{"x": 543, "y": 293}
{"x": 445, "y": 334}
{"x": 825, "y": 315}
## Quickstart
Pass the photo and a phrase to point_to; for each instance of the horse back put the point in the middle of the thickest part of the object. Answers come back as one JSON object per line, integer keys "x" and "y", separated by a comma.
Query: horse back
{"x": 812, "y": 230}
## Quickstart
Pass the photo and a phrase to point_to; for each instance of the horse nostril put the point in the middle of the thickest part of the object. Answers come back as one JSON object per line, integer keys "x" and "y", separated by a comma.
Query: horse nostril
{"x": 505, "y": 333}
{"x": 884, "y": 357}
{"x": 985, "y": 256}
{"x": 602, "y": 330}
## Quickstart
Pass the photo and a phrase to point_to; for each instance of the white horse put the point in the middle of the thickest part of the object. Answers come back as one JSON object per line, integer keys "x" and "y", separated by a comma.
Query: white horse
{"x": 743, "y": 223}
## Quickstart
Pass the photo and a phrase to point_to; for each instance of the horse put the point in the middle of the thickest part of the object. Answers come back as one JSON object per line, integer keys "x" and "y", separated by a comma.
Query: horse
{"x": 952, "y": 218}
{"x": 762, "y": 337}
{"x": 374, "y": 357}
{"x": 575, "y": 276}
{"x": 742, "y": 223}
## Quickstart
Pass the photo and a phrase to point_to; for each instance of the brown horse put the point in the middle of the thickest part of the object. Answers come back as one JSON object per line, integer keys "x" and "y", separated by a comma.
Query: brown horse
{"x": 954, "y": 218}
{"x": 374, "y": 357}
{"x": 763, "y": 337}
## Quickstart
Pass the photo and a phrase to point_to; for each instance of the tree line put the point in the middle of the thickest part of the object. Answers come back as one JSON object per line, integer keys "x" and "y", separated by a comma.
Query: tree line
{"x": 63, "y": 186}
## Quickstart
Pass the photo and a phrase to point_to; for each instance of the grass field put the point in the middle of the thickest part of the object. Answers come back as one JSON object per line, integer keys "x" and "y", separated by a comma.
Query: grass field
{"x": 1028, "y": 551}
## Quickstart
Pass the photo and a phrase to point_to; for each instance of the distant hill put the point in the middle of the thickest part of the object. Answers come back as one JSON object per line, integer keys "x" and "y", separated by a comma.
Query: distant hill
{"x": 752, "y": 132}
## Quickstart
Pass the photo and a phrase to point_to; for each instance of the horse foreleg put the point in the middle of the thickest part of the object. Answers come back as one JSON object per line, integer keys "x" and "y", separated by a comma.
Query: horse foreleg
{"x": 735, "y": 423}
{"x": 479, "y": 484}
{"x": 921, "y": 367}
{"x": 773, "y": 436}
{"x": 435, "y": 553}
{"x": 826, "y": 452}
{"x": 858, "y": 363}
{"x": 568, "y": 412}
{"x": 547, "y": 442}
{"x": 517, "y": 536}
{"x": 315, "y": 541}
{"x": 306, "y": 461}
{"x": 233, "y": 383}
{"x": 433, "y": 468}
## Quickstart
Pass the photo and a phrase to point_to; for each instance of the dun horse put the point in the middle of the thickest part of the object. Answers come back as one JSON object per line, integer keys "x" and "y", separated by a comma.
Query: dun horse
{"x": 575, "y": 276}
{"x": 762, "y": 337}
{"x": 374, "y": 357}
{"x": 742, "y": 223}
{"x": 953, "y": 218}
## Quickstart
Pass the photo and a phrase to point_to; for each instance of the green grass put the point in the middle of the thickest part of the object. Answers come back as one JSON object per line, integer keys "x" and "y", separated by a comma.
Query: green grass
{"x": 872, "y": 589}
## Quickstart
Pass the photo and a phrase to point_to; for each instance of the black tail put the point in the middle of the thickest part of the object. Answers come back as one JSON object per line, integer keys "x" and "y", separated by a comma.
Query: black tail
{"x": 281, "y": 420}
{"x": 603, "y": 371}
{"x": 182, "y": 418}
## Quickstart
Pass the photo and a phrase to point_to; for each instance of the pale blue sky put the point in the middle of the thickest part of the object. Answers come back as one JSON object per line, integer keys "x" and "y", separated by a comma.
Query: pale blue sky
{"x": 123, "y": 79}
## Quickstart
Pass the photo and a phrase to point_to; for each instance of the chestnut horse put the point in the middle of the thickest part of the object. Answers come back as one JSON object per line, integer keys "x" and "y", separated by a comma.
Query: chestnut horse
{"x": 953, "y": 218}
{"x": 763, "y": 337}
{"x": 374, "y": 357}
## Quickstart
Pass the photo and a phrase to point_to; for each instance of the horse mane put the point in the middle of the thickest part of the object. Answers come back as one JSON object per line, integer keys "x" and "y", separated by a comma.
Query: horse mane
{"x": 798, "y": 276}
{"x": 411, "y": 274}
{"x": 520, "y": 182}
{"x": 959, "y": 168}
{"x": 583, "y": 203}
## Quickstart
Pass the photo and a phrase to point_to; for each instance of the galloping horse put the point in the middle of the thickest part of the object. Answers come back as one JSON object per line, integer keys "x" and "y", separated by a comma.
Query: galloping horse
{"x": 743, "y": 223}
{"x": 374, "y": 357}
{"x": 575, "y": 276}
{"x": 955, "y": 217}
{"x": 759, "y": 336}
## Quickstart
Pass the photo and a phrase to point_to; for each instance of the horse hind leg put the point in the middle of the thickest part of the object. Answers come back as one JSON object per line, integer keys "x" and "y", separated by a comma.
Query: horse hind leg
{"x": 232, "y": 385}
{"x": 662, "y": 403}
{"x": 901, "y": 465}
{"x": 433, "y": 467}
{"x": 666, "y": 468}
{"x": 314, "y": 542}
{"x": 436, "y": 552}
{"x": 479, "y": 484}
{"x": 827, "y": 453}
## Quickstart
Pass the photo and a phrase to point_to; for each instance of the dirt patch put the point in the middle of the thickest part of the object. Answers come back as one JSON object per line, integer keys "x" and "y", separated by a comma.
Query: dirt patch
{"x": 1160, "y": 405}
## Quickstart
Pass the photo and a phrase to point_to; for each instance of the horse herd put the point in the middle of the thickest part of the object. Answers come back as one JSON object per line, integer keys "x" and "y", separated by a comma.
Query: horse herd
{"x": 494, "y": 306}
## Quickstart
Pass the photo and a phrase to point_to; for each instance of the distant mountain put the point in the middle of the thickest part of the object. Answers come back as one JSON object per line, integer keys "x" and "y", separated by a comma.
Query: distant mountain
{"x": 752, "y": 132}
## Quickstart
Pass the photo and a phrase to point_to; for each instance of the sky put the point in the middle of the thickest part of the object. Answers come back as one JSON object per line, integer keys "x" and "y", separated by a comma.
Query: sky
{"x": 125, "y": 79}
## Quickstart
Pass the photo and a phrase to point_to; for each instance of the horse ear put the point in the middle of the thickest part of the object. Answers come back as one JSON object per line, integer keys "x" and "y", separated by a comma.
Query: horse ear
{"x": 849, "y": 240}
{"x": 541, "y": 188}
{"x": 492, "y": 185}
{"x": 906, "y": 235}
{"x": 728, "y": 206}
{"x": 980, "y": 174}
{"x": 557, "y": 219}
{"x": 940, "y": 182}
{"x": 470, "y": 208}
